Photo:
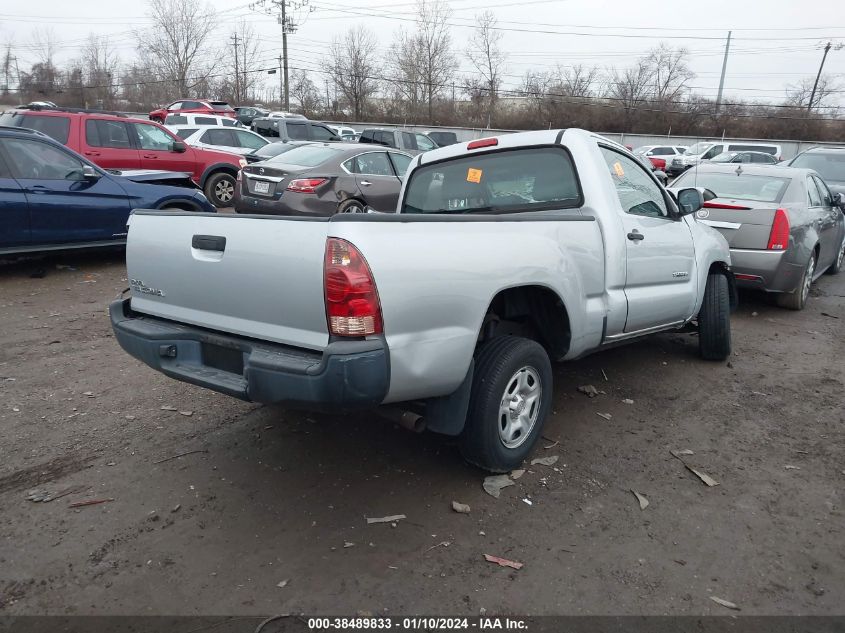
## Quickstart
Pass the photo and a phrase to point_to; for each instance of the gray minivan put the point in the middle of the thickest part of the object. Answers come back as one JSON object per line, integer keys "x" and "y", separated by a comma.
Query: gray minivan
{"x": 411, "y": 142}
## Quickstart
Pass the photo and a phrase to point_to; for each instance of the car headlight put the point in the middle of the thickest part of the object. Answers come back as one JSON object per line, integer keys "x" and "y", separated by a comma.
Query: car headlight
{"x": 243, "y": 162}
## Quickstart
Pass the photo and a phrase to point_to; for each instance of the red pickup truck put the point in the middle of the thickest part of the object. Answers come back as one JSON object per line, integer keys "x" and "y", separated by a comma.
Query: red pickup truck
{"x": 116, "y": 141}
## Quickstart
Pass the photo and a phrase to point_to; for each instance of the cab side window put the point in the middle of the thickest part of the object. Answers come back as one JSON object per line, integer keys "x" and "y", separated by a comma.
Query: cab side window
{"x": 638, "y": 192}
{"x": 827, "y": 198}
{"x": 812, "y": 190}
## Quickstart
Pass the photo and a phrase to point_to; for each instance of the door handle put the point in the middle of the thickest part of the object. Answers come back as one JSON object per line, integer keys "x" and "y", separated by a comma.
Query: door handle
{"x": 635, "y": 236}
{"x": 209, "y": 242}
{"x": 365, "y": 183}
{"x": 150, "y": 156}
{"x": 92, "y": 153}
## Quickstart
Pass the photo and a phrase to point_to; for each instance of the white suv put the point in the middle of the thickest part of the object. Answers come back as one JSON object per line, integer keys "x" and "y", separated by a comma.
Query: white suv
{"x": 225, "y": 139}
{"x": 195, "y": 120}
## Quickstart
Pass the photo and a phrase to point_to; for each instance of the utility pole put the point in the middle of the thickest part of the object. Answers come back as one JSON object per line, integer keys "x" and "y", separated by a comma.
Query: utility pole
{"x": 283, "y": 84}
{"x": 724, "y": 68}
{"x": 282, "y": 9}
{"x": 328, "y": 98}
{"x": 237, "y": 71}
{"x": 818, "y": 76}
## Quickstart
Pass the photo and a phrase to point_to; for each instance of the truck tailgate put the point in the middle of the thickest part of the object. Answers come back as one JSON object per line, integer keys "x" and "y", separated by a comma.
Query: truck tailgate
{"x": 260, "y": 277}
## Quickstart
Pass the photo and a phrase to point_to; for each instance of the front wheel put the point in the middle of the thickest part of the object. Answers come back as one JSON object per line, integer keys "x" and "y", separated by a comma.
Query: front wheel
{"x": 220, "y": 189}
{"x": 714, "y": 319}
{"x": 510, "y": 399}
{"x": 797, "y": 299}
{"x": 836, "y": 266}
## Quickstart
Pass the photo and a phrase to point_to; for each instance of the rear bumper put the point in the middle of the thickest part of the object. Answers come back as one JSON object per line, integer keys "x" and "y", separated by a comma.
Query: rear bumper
{"x": 772, "y": 270}
{"x": 348, "y": 374}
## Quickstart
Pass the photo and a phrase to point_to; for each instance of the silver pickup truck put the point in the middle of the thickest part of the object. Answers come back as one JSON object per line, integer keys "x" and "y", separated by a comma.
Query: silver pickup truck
{"x": 503, "y": 253}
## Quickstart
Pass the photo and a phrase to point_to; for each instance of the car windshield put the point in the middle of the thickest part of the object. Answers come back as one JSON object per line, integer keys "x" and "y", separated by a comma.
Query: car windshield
{"x": 830, "y": 165}
{"x": 639, "y": 151}
{"x": 306, "y": 155}
{"x": 724, "y": 157}
{"x": 499, "y": 182}
{"x": 274, "y": 149}
{"x": 735, "y": 186}
{"x": 698, "y": 148}
{"x": 221, "y": 105}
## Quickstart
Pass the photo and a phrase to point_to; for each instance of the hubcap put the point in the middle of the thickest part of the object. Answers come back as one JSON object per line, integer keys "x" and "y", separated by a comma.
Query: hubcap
{"x": 520, "y": 407}
{"x": 841, "y": 255}
{"x": 808, "y": 278}
{"x": 224, "y": 191}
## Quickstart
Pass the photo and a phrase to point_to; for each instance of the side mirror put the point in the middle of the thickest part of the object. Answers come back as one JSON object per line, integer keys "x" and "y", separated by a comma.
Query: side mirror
{"x": 179, "y": 147}
{"x": 690, "y": 200}
{"x": 89, "y": 173}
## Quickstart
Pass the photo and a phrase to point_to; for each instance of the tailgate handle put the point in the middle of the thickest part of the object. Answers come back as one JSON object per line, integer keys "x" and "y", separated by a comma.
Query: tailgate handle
{"x": 209, "y": 242}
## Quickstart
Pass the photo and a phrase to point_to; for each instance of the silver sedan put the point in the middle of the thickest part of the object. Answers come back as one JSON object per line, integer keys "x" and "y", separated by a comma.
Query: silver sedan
{"x": 784, "y": 226}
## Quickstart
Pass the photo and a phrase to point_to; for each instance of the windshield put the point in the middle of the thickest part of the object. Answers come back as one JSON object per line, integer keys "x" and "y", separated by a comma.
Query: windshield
{"x": 274, "y": 149}
{"x": 831, "y": 165}
{"x": 498, "y": 182}
{"x": 306, "y": 155}
{"x": 639, "y": 151}
{"x": 724, "y": 157}
{"x": 698, "y": 148}
{"x": 736, "y": 187}
{"x": 222, "y": 105}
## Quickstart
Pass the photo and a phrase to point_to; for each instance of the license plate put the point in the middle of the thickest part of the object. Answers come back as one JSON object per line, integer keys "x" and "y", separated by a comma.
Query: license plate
{"x": 262, "y": 187}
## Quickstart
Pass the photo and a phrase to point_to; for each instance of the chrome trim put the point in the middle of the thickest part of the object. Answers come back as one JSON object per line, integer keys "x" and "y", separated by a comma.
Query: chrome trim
{"x": 261, "y": 177}
{"x": 374, "y": 151}
{"x": 721, "y": 225}
{"x": 758, "y": 251}
{"x": 651, "y": 330}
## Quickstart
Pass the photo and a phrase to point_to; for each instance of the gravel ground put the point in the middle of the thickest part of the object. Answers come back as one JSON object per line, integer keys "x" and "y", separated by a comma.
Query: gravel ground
{"x": 269, "y": 495}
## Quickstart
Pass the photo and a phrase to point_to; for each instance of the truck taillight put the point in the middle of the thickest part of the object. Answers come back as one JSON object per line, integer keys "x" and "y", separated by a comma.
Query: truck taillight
{"x": 305, "y": 185}
{"x": 779, "y": 236}
{"x": 352, "y": 303}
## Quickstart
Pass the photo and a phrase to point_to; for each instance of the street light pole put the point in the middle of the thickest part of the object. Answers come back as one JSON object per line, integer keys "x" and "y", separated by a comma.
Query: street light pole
{"x": 818, "y": 76}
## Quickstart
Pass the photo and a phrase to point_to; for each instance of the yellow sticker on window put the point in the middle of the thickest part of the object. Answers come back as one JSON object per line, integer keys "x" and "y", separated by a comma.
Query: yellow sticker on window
{"x": 474, "y": 175}
{"x": 617, "y": 167}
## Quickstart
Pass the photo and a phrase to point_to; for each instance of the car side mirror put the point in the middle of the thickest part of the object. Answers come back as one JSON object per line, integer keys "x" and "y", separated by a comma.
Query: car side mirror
{"x": 89, "y": 173}
{"x": 690, "y": 200}
{"x": 838, "y": 201}
{"x": 179, "y": 147}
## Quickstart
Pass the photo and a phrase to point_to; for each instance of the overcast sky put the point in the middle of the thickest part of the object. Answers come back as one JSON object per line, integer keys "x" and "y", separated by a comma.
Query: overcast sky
{"x": 775, "y": 42}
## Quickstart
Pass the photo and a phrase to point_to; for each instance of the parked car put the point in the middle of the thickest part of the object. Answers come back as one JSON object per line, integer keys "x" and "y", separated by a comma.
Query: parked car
{"x": 829, "y": 162}
{"x": 323, "y": 179}
{"x": 223, "y": 139}
{"x": 298, "y": 129}
{"x": 342, "y": 130}
{"x": 412, "y": 142}
{"x": 350, "y": 138}
{"x": 666, "y": 152}
{"x": 707, "y": 150}
{"x": 196, "y": 120}
{"x": 118, "y": 142}
{"x": 503, "y": 253}
{"x": 272, "y": 149}
{"x": 656, "y": 165}
{"x": 442, "y": 138}
{"x": 784, "y": 226}
{"x": 246, "y": 114}
{"x": 759, "y": 158}
{"x": 199, "y": 106}
{"x": 52, "y": 198}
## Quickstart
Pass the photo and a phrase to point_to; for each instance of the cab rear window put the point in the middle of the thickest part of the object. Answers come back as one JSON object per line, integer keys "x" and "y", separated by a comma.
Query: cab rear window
{"x": 56, "y": 127}
{"x": 509, "y": 181}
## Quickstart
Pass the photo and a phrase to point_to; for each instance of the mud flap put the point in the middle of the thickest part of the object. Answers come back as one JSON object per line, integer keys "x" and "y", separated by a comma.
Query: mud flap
{"x": 448, "y": 414}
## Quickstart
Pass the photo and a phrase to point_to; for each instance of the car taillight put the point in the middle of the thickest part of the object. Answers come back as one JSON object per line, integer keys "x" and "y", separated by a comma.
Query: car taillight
{"x": 779, "y": 237}
{"x": 305, "y": 185}
{"x": 352, "y": 303}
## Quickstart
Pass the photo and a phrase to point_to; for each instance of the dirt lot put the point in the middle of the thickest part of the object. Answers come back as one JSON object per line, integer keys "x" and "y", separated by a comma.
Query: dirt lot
{"x": 276, "y": 495}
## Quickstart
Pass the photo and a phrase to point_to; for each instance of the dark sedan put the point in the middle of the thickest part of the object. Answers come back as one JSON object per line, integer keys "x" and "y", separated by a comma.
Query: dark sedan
{"x": 321, "y": 179}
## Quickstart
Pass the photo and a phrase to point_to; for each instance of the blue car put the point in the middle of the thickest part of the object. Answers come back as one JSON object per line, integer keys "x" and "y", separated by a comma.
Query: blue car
{"x": 53, "y": 199}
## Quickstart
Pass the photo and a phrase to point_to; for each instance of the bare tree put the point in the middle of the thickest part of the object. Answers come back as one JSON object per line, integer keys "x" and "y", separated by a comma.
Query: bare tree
{"x": 436, "y": 61}
{"x": 670, "y": 72}
{"x": 240, "y": 83}
{"x": 631, "y": 87}
{"x": 7, "y": 63}
{"x": 798, "y": 95}
{"x": 576, "y": 81}
{"x": 352, "y": 59}
{"x": 44, "y": 45}
{"x": 99, "y": 65}
{"x": 303, "y": 90}
{"x": 178, "y": 40}
{"x": 486, "y": 54}
{"x": 405, "y": 69}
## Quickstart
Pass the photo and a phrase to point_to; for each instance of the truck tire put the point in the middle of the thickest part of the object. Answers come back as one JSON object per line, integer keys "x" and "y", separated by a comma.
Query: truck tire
{"x": 797, "y": 299}
{"x": 714, "y": 319}
{"x": 510, "y": 399}
{"x": 220, "y": 189}
{"x": 836, "y": 266}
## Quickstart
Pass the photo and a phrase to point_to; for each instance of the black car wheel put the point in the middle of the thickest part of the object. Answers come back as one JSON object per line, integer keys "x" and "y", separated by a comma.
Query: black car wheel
{"x": 220, "y": 189}
{"x": 351, "y": 206}
{"x": 714, "y": 319}
{"x": 798, "y": 299}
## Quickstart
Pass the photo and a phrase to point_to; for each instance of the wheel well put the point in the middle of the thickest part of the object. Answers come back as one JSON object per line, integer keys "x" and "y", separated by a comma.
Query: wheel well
{"x": 722, "y": 269}
{"x": 182, "y": 205}
{"x": 535, "y": 312}
{"x": 218, "y": 169}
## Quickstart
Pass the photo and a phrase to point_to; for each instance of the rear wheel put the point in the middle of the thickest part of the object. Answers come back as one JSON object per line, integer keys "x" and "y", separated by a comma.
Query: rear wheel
{"x": 836, "y": 266}
{"x": 220, "y": 189}
{"x": 798, "y": 299}
{"x": 351, "y": 206}
{"x": 714, "y": 319}
{"x": 510, "y": 399}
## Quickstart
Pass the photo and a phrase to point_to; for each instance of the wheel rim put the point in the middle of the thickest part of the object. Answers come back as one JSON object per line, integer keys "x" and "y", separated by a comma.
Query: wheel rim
{"x": 224, "y": 190}
{"x": 841, "y": 255}
{"x": 808, "y": 278}
{"x": 353, "y": 208}
{"x": 520, "y": 407}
